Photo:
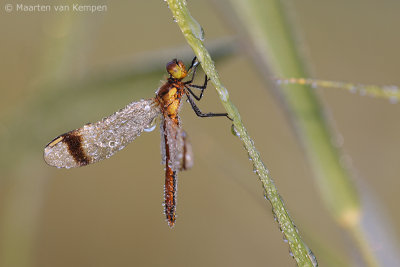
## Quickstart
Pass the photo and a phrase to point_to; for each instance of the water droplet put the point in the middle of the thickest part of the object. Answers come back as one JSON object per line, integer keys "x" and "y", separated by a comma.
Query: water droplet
{"x": 234, "y": 131}
{"x": 255, "y": 169}
{"x": 312, "y": 257}
{"x": 150, "y": 129}
{"x": 197, "y": 30}
{"x": 152, "y": 126}
{"x": 223, "y": 94}
{"x": 295, "y": 228}
{"x": 112, "y": 144}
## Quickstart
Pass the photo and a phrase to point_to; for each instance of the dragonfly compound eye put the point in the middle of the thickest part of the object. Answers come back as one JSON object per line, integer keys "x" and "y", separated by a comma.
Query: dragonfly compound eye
{"x": 176, "y": 69}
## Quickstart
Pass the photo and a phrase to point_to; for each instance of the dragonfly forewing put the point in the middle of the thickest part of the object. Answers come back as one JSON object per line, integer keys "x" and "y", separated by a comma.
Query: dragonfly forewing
{"x": 100, "y": 140}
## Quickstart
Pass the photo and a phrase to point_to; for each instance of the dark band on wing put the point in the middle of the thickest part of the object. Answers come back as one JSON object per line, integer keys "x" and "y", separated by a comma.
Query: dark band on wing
{"x": 73, "y": 140}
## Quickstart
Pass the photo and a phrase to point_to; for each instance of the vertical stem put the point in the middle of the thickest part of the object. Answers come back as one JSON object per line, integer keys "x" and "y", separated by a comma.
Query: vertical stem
{"x": 193, "y": 33}
{"x": 273, "y": 41}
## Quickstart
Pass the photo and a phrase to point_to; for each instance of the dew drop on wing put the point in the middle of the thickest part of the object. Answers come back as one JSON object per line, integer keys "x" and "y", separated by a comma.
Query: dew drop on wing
{"x": 112, "y": 144}
{"x": 150, "y": 129}
{"x": 147, "y": 108}
{"x": 151, "y": 126}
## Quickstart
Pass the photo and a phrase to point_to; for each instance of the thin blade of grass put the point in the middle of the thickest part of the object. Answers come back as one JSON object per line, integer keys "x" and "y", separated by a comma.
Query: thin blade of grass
{"x": 193, "y": 33}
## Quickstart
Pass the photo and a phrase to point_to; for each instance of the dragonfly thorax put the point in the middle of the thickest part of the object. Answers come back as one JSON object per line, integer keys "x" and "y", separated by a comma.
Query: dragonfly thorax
{"x": 169, "y": 97}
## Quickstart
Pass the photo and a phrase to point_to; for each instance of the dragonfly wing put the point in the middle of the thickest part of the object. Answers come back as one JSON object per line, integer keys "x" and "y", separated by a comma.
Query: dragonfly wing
{"x": 187, "y": 154}
{"x": 177, "y": 156}
{"x": 171, "y": 154}
{"x": 100, "y": 140}
{"x": 179, "y": 148}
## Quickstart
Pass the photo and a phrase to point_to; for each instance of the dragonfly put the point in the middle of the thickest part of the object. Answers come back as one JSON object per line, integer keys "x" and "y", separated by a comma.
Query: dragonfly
{"x": 97, "y": 141}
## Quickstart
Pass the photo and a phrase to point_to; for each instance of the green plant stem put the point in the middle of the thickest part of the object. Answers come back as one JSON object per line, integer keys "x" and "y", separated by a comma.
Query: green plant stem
{"x": 391, "y": 92}
{"x": 192, "y": 31}
{"x": 267, "y": 28}
{"x": 273, "y": 41}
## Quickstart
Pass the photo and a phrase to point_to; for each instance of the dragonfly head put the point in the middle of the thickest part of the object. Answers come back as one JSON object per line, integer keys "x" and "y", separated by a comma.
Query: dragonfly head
{"x": 176, "y": 69}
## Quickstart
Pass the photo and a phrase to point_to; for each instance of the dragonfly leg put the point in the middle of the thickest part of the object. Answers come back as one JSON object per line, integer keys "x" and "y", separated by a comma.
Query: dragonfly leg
{"x": 201, "y": 114}
{"x": 200, "y": 87}
{"x": 194, "y": 67}
{"x": 193, "y": 63}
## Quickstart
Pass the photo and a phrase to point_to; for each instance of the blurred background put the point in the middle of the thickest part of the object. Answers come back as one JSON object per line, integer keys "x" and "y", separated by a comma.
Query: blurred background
{"x": 60, "y": 70}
